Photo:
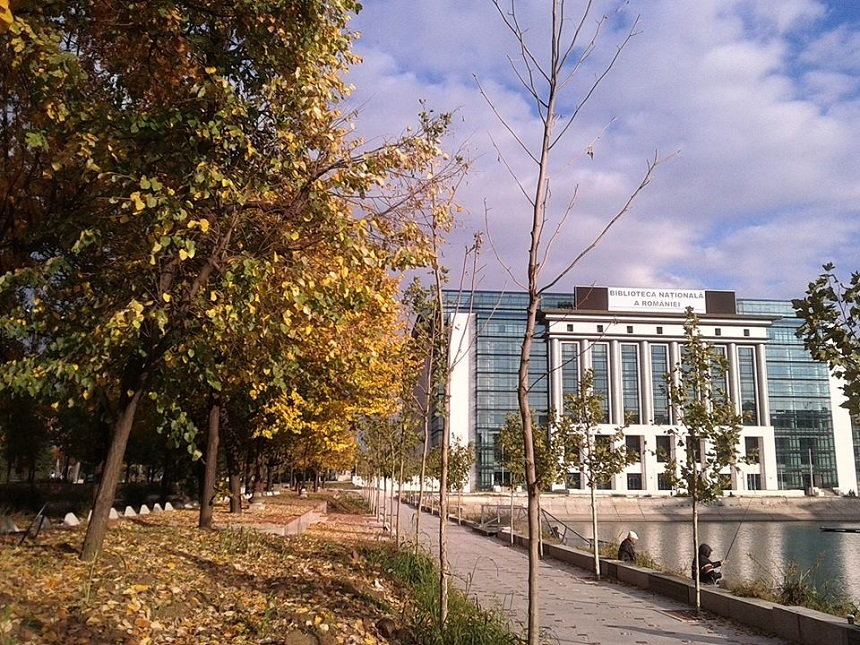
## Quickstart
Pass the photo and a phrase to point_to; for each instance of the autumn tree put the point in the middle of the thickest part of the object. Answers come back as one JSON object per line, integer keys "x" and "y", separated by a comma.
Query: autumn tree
{"x": 831, "y": 320}
{"x": 708, "y": 426}
{"x": 598, "y": 455}
{"x": 155, "y": 152}
{"x": 546, "y": 66}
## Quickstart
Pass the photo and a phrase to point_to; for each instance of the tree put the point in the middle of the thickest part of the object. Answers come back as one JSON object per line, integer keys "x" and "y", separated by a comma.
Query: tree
{"x": 155, "y": 154}
{"x": 831, "y": 323}
{"x": 599, "y": 456}
{"x": 543, "y": 80}
{"x": 709, "y": 427}
{"x": 510, "y": 454}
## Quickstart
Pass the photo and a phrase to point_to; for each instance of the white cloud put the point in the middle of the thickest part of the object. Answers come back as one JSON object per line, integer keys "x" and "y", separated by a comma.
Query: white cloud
{"x": 761, "y": 100}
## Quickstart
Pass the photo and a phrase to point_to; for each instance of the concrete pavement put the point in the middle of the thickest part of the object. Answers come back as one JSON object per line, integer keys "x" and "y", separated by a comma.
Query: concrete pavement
{"x": 574, "y": 607}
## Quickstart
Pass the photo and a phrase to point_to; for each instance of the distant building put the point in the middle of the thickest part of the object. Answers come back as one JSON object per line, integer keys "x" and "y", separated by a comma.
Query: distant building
{"x": 630, "y": 338}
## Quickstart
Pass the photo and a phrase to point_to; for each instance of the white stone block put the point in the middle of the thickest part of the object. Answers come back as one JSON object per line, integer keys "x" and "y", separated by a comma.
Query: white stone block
{"x": 70, "y": 520}
{"x": 144, "y": 510}
{"x": 7, "y": 525}
{"x": 156, "y": 508}
{"x": 129, "y": 512}
{"x": 168, "y": 506}
{"x": 113, "y": 515}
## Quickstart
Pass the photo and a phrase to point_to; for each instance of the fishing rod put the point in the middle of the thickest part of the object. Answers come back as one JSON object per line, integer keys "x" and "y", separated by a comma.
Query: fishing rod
{"x": 743, "y": 517}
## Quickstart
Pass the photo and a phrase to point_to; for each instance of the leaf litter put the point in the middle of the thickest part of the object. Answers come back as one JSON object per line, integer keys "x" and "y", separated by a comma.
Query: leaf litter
{"x": 159, "y": 579}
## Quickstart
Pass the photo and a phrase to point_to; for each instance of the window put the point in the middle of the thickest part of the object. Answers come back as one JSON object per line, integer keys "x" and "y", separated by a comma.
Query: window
{"x": 749, "y": 400}
{"x": 751, "y": 450}
{"x": 570, "y": 368}
{"x": 664, "y": 448}
{"x": 600, "y": 368}
{"x": 634, "y": 481}
{"x": 630, "y": 382}
{"x": 718, "y": 332}
{"x": 570, "y": 328}
{"x": 574, "y": 481}
{"x": 719, "y": 375}
{"x": 629, "y": 329}
{"x": 633, "y": 443}
{"x": 663, "y": 482}
{"x": 753, "y": 481}
{"x": 659, "y": 370}
{"x": 659, "y": 330}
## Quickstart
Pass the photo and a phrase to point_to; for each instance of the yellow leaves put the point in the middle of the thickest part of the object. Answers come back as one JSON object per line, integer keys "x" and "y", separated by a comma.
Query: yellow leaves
{"x": 166, "y": 297}
{"x": 6, "y": 18}
{"x": 136, "y": 200}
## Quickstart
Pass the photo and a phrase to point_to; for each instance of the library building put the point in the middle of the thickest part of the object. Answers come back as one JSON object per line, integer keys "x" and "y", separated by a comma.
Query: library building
{"x": 795, "y": 433}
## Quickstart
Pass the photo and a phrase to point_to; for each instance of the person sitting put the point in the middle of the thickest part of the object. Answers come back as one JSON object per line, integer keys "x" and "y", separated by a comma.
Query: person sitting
{"x": 708, "y": 573}
{"x": 627, "y": 548}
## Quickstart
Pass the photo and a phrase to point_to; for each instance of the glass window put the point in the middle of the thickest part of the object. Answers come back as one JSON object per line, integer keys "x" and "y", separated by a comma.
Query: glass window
{"x": 574, "y": 481}
{"x": 663, "y": 482}
{"x": 751, "y": 449}
{"x": 720, "y": 376}
{"x": 600, "y": 367}
{"x": 633, "y": 442}
{"x": 634, "y": 481}
{"x": 749, "y": 400}
{"x": 753, "y": 481}
{"x": 659, "y": 370}
{"x": 630, "y": 382}
{"x": 664, "y": 448}
{"x": 570, "y": 368}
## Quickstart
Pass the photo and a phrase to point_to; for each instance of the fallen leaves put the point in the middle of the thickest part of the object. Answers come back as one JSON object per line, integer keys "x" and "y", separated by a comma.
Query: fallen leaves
{"x": 161, "y": 580}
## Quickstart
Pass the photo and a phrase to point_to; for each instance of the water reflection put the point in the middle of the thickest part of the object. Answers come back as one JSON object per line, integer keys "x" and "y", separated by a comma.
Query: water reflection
{"x": 760, "y": 550}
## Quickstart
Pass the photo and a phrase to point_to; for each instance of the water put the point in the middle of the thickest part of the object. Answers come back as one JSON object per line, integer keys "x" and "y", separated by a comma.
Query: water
{"x": 761, "y": 550}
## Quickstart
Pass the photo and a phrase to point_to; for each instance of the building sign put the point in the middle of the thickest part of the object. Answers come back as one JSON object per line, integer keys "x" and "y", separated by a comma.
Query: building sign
{"x": 675, "y": 300}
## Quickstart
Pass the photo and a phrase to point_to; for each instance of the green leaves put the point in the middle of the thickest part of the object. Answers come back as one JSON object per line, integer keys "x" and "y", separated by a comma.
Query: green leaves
{"x": 709, "y": 429}
{"x": 831, "y": 319}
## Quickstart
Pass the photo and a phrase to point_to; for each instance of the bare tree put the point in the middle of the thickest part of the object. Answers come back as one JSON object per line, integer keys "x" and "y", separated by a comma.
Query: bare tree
{"x": 572, "y": 42}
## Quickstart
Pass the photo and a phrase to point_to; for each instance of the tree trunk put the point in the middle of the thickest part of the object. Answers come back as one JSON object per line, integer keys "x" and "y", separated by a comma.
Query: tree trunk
{"x": 696, "y": 565}
{"x": 97, "y": 526}
{"x": 207, "y": 492}
{"x": 532, "y": 488}
{"x": 594, "y": 532}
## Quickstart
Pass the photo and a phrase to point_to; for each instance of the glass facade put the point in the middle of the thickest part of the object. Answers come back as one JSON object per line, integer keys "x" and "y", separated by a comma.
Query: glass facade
{"x": 659, "y": 395}
{"x": 799, "y": 397}
{"x": 798, "y": 388}
{"x": 600, "y": 369}
{"x": 499, "y": 324}
{"x": 630, "y": 382}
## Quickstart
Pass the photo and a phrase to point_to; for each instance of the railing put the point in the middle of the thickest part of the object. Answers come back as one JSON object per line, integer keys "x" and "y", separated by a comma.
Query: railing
{"x": 495, "y": 516}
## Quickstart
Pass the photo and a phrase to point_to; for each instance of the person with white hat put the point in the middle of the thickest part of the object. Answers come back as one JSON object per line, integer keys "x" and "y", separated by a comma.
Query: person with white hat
{"x": 627, "y": 549}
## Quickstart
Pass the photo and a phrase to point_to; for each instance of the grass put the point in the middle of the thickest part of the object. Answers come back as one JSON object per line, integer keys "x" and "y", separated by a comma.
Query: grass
{"x": 467, "y": 623}
{"x": 797, "y": 587}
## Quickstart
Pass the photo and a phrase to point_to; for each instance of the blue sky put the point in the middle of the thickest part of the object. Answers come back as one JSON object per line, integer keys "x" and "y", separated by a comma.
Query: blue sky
{"x": 757, "y": 102}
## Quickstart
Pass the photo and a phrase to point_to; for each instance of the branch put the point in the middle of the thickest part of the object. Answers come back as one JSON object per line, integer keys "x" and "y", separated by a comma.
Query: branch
{"x": 651, "y": 166}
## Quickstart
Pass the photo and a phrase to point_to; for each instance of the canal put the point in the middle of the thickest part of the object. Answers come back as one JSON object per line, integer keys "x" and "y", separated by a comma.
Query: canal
{"x": 762, "y": 549}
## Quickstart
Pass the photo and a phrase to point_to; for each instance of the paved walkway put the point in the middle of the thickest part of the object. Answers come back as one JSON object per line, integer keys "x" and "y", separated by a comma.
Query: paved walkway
{"x": 574, "y": 607}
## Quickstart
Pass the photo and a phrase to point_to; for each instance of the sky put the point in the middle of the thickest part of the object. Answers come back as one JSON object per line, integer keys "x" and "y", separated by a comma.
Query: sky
{"x": 752, "y": 106}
